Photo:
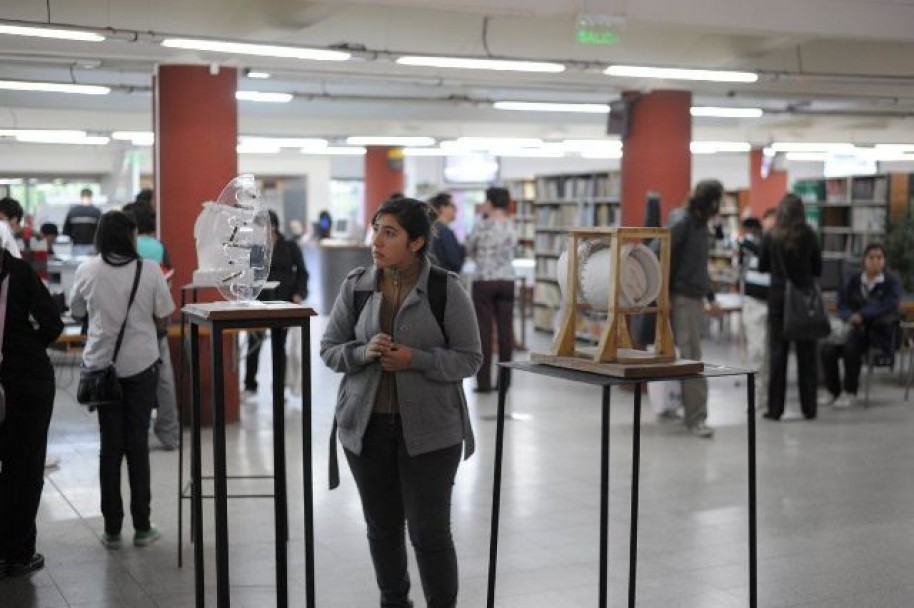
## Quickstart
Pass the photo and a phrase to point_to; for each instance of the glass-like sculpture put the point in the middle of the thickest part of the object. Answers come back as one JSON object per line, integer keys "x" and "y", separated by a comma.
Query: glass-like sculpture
{"x": 234, "y": 241}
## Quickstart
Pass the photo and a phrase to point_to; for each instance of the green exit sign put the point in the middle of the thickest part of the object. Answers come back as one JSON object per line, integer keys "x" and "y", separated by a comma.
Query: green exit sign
{"x": 597, "y": 29}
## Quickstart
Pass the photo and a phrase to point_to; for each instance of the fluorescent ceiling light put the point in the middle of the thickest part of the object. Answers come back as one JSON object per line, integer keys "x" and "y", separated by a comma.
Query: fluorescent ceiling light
{"x": 592, "y": 145}
{"x": 534, "y": 106}
{"x": 52, "y": 136}
{"x": 337, "y": 151}
{"x": 426, "y": 152}
{"x": 46, "y": 32}
{"x": 384, "y": 140}
{"x": 260, "y": 75}
{"x": 610, "y": 154}
{"x": 820, "y": 157}
{"x": 901, "y": 148}
{"x": 481, "y": 64}
{"x": 544, "y": 152}
{"x": 262, "y": 50}
{"x": 138, "y": 138}
{"x": 716, "y": 112}
{"x": 53, "y": 87}
{"x": 713, "y": 147}
{"x": 634, "y": 71}
{"x": 284, "y": 142}
{"x": 488, "y": 143}
{"x": 811, "y": 147}
{"x": 248, "y": 148}
{"x": 263, "y": 97}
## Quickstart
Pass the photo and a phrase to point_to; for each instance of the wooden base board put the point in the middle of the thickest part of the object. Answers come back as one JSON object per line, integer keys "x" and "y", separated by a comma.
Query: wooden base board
{"x": 679, "y": 367}
{"x": 625, "y": 355}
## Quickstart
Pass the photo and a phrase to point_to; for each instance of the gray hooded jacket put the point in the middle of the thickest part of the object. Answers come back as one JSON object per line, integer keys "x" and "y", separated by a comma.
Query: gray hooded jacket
{"x": 431, "y": 400}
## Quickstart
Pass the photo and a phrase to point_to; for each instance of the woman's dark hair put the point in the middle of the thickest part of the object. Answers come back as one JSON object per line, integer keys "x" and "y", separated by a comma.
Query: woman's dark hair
{"x": 873, "y": 246}
{"x": 790, "y": 225}
{"x": 705, "y": 199}
{"x": 114, "y": 238}
{"x": 499, "y": 197}
{"x": 442, "y": 199}
{"x": 143, "y": 215}
{"x": 416, "y": 216}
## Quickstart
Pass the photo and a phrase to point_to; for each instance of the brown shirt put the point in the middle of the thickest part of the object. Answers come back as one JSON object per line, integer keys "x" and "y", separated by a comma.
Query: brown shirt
{"x": 394, "y": 286}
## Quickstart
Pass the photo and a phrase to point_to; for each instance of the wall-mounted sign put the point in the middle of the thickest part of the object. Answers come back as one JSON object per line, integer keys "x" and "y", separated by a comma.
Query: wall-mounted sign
{"x": 597, "y": 30}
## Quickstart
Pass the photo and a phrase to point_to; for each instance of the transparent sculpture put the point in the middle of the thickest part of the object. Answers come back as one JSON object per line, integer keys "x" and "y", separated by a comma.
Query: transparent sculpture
{"x": 640, "y": 279}
{"x": 234, "y": 241}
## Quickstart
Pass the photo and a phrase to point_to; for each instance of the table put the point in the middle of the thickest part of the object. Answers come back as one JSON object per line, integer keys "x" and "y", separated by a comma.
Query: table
{"x": 219, "y": 317}
{"x": 607, "y": 382}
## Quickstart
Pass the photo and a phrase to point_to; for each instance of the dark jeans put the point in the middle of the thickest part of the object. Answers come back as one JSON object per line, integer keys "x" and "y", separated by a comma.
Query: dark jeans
{"x": 493, "y": 301}
{"x": 395, "y": 486}
{"x": 779, "y": 350}
{"x": 852, "y": 352}
{"x": 252, "y": 361}
{"x": 125, "y": 432}
{"x": 23, "y": 446}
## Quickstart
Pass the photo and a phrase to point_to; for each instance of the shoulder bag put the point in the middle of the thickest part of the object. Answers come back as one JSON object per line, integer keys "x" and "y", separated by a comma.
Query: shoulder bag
{"x": 805, "y": 318}
{"x": 99, "y": 387}
{"x": 4, "y": 288}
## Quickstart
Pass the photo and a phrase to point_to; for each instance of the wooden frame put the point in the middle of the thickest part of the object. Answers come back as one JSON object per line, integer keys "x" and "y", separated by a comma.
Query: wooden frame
{"x": 616, "y": 344}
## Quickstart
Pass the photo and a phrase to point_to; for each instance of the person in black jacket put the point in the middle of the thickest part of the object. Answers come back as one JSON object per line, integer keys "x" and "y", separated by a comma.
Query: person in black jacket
{"x": 287, "y": 266}
{"x": 31, "y": 322}
{"x": 868, "y": 303}
{"x": 790, "y": 250}
{"x": 447, "y": 251}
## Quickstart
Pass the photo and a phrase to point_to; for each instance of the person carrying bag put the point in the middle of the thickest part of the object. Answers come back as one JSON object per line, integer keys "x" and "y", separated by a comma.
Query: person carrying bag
{"x": 99, "y": 387}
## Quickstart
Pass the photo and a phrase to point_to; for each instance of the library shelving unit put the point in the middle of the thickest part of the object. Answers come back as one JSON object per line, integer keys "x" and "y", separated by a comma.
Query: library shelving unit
{"x": 848, "y": 212}
{"x": 523, "y": 195}
{"x": 564, "y": 202}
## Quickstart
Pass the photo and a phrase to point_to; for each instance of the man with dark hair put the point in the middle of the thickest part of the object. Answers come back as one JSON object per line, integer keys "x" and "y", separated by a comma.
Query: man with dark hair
{"x": 80, "y": 225}
{"x": 690, "y": 284}
{"x": 446, "y": 249}
{"x": 11, "y": 214}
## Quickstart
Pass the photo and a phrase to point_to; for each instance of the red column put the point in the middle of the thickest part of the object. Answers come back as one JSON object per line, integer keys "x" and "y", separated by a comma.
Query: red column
{"x": 764, "y": 192}
{"x": 656, "y": 154}
{"x": 196, "y": 131}
{"x": 383, "y": 177}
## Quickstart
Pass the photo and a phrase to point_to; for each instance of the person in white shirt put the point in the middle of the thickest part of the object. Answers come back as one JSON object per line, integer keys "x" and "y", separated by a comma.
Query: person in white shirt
{"x": 101, "y": 292}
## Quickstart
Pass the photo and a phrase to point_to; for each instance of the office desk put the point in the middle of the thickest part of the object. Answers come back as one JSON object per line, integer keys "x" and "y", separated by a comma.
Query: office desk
{"x": 607, "y": 382}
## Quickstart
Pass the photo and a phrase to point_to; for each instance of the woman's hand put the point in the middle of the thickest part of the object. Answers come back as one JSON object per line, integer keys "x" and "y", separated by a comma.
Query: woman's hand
{"x": 377, "y": 346}
{"x": 396, "y": 358}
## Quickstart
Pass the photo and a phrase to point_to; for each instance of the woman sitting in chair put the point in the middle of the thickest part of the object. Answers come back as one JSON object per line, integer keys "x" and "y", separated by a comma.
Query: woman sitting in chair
{"x": 868, "y": 303}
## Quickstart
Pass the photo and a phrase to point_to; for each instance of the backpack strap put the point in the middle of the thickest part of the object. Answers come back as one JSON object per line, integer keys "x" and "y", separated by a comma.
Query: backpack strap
{"x": 437, "y": 295}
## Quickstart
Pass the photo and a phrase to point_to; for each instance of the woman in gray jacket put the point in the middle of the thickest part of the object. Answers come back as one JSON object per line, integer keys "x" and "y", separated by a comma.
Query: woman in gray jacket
{"x": 404, "y": 335}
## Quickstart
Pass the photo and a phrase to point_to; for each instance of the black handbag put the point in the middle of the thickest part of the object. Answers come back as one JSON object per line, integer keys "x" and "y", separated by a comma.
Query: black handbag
{"x": 805, "y": 318}
{"x": 99, "y": 387}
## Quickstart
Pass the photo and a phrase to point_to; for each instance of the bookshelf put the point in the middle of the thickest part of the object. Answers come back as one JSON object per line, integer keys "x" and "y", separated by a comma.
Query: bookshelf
{"x": 523, "y": 195}
{"x": 563, "y": 202}
{"x": 847, "y": 212}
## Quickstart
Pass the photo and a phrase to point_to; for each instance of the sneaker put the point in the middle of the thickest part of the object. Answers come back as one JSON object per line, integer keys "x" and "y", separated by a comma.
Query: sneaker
{"x": 827, "y": 399}
{"x": 32, "y": 564}
{"x": 845, "y": 401}
{"x": 701, "y": 430}
{"x": 670, "y": 415}
{"x": 144, "y": 538}
{"x": 111, "y": 541}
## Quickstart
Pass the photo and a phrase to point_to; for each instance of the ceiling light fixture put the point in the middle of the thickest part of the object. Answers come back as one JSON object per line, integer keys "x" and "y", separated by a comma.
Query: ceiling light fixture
{"x": 258, "y": 75}
{"x": 137, "y": 138}
{"x": 535, "y": 106}
{"x": 426, "y": 152}
{"x": 591, "y": 145}
{"x": 256, "y": 148}
{"x": 315, "y": 143}
{"x": 819, "y": 157}
{"x": 490, "y": 143}
{"x": 501, "y": 65}
{"x": 717, "y": 112}
{"x": 784, "y": 146}
{"x": 634, "y": 71}
{"x": 46, "y": 32}
{"x": 336, "y": 151}
{"x": 609, "y": 154}
{"x": 263, "y": 97}
{"x": 261, "y": 50}
{"x": 713, "y": 147}
{"x": 53, "y": 87}
{"x": 54, "y": 136}
{"x": 384, "y": 140}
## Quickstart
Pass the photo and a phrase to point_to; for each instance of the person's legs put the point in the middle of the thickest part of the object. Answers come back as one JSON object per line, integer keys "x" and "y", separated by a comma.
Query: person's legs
{"x": 23, "y": 445}
{"x": 806, "y": 376}
{"x": 504, "y": 320}
{"x": 167, "y": 427}
{"x": 139, "y": 397}
{"x": 777, "y": 380}
{"x": 856, "y": 346}
{"x": 427, "y": 481}
{"x": 755, "y": 324}
{"x": 111, "y": 452}
{"x": 829, "y": 354}
{"x": 483, "y": 302}
{"x": 377, "y": 477}
{"x": 252, "y": 361}
{"x": 688, "y": 318}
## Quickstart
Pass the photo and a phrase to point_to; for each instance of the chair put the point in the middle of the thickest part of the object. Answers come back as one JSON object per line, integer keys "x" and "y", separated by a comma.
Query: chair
{"x": 877, "y": 357}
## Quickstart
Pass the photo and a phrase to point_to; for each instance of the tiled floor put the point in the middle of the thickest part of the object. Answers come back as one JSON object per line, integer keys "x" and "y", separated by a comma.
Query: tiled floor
{"x": 836, "y": 509}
